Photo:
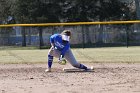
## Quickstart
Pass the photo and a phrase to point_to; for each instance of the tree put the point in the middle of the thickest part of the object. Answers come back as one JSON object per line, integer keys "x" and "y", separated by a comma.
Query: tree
{"x": 110, "y": 10}
{"x": 94, "y": 10}
{"x": 36, "y": 11}
{"x": 46, "y": 11}
{"x": 4, "y": 11}
{"x": 5, "y": 18}
{"x": 137, "y": 4}
{"x": 78, "y": 10}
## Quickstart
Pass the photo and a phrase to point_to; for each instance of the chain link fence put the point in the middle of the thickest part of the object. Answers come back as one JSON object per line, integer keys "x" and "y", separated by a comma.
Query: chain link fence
{"x": 83, "y": 36}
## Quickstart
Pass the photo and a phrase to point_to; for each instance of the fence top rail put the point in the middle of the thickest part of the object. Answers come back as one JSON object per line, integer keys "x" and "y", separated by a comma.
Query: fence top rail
{"x": 70, "y": 23}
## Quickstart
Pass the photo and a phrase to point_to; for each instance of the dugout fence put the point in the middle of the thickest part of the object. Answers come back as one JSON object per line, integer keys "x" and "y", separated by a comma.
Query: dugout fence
{"x": 84, "y": 34}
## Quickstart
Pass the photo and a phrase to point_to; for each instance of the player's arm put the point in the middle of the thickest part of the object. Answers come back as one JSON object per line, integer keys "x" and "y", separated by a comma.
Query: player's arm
{"x": 52, "y": 44}
{"x": 61, "y": 58}
{"x": 64, "y": 50}
{"x": 52, "y": 41}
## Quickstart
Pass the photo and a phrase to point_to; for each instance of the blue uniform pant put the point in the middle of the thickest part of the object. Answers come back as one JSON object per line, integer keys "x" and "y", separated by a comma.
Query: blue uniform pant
{"x": 68, "y": 56}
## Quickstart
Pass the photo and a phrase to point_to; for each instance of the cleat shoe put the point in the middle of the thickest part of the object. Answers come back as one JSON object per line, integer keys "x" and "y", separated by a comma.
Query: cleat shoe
{"x": 92, "y": 68}
{"x": 89, "y": 69}
{"x": 48, "y": 70}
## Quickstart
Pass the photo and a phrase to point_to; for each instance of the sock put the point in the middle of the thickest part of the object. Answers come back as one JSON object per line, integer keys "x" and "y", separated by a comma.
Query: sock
{"x": 50, "y": 60}
{"x": 83, "y": 67}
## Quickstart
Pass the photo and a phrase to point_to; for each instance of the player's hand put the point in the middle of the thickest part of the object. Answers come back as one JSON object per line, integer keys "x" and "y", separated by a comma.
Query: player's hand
{"x": 62, "y": 60}
{"x": 61, "y": 57}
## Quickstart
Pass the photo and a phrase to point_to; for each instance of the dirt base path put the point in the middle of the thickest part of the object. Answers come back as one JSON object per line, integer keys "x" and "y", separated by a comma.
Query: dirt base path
{"x": 107, "y": 78}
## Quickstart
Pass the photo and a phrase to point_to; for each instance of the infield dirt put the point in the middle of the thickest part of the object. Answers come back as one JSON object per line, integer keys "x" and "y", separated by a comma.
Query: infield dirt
{"x": 107, "y": 78}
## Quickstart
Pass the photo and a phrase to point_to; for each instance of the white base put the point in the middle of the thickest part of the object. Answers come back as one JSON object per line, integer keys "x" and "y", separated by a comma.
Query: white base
{"x": 76, "y": 69}
{"x": 92, "y": 68}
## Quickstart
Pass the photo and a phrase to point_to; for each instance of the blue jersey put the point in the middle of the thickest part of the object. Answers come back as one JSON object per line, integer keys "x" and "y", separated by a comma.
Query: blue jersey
{"x": 56, "y": 39}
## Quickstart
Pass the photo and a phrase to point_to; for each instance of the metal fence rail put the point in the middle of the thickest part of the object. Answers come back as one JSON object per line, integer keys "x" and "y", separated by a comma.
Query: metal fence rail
{"x": 84, "y": 34}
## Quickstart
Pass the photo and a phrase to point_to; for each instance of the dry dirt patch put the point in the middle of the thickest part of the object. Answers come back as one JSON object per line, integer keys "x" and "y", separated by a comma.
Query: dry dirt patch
{"x": 107, "y": 78}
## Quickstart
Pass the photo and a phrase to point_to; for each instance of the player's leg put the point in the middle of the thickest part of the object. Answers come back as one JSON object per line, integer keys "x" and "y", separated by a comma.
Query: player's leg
{"x": 70, "y": 58}
{"x": 50, "y": 60}
{"x": 52, "y": 53}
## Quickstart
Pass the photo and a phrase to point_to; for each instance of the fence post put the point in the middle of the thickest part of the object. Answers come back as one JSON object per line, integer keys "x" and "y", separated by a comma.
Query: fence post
{"x": 127, "y": 36}
{"x": 40, "y": 37}
{"x": 83, "y": 36}
{"x": 23, "y": 37}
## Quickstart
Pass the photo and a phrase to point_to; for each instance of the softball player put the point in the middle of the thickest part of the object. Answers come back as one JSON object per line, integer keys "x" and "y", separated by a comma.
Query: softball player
{"x": 60, "y": 48}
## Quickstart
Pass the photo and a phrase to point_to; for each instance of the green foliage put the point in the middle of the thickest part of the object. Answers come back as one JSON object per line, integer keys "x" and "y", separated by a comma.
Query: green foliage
{"x": 79, "y": 10}
{"x": 4, "y": 10}
{"x": 44, "y": 11}
{"x": 36, "y": 11}
{"x": 89, "y": 10}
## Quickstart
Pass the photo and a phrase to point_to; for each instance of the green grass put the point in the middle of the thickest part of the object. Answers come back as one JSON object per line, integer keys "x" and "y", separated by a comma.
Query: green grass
{"x": 18, "y": 48}
{"x": 109, "y": 54}
{"x": 113, "y": 54}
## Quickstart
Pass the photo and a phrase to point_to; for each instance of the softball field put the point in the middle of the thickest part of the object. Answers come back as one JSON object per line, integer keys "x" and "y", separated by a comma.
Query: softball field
{"x": 115, "y": 70}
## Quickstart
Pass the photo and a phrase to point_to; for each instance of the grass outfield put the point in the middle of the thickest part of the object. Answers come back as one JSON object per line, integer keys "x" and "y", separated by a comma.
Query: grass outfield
{"x": 109, "y": 54}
